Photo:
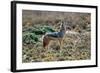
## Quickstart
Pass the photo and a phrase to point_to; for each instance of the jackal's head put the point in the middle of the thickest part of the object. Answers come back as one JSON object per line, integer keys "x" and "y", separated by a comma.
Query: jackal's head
{"x": 64, "y": 26}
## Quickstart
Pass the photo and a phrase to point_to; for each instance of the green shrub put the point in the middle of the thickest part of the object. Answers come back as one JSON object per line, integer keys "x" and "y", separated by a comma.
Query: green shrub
{"x": 30, "y": 38}
{"x": 32, "y": 34}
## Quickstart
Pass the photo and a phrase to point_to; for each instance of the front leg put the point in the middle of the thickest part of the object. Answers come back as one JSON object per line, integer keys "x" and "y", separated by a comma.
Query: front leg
{"x": 60, "y": 44}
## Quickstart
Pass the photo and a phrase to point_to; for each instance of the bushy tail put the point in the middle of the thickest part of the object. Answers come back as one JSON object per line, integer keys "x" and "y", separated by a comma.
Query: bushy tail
{"x": 45, "y": 41}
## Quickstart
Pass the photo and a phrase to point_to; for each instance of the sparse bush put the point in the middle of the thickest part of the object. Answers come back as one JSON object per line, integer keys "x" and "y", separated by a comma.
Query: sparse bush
{"x": 75, "y": 46}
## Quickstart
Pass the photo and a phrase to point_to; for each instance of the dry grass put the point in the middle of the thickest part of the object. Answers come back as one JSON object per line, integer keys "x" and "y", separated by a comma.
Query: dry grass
{"x": 77, "y": 42}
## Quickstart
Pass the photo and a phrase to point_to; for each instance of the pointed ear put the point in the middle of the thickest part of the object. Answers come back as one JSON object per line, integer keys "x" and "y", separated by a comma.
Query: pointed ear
{"x": 60, "y": 22}
{"x": 65, "y": 22}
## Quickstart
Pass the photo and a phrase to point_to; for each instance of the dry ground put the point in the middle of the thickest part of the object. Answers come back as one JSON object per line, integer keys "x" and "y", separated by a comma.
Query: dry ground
{"x": 76, "y": 44}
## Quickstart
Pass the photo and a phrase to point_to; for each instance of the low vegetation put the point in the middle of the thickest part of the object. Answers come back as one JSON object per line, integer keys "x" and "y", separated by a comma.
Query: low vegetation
{"x": 77, "y": 43}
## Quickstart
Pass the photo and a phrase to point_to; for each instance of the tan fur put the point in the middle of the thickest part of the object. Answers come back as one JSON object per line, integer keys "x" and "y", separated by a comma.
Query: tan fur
{"x": 55, "y": 36}
{"x": 47, "y": 40}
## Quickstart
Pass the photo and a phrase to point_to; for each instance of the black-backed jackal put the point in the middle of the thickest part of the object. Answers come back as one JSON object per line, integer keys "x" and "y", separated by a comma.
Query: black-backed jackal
{"x": 55, "y": 36}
